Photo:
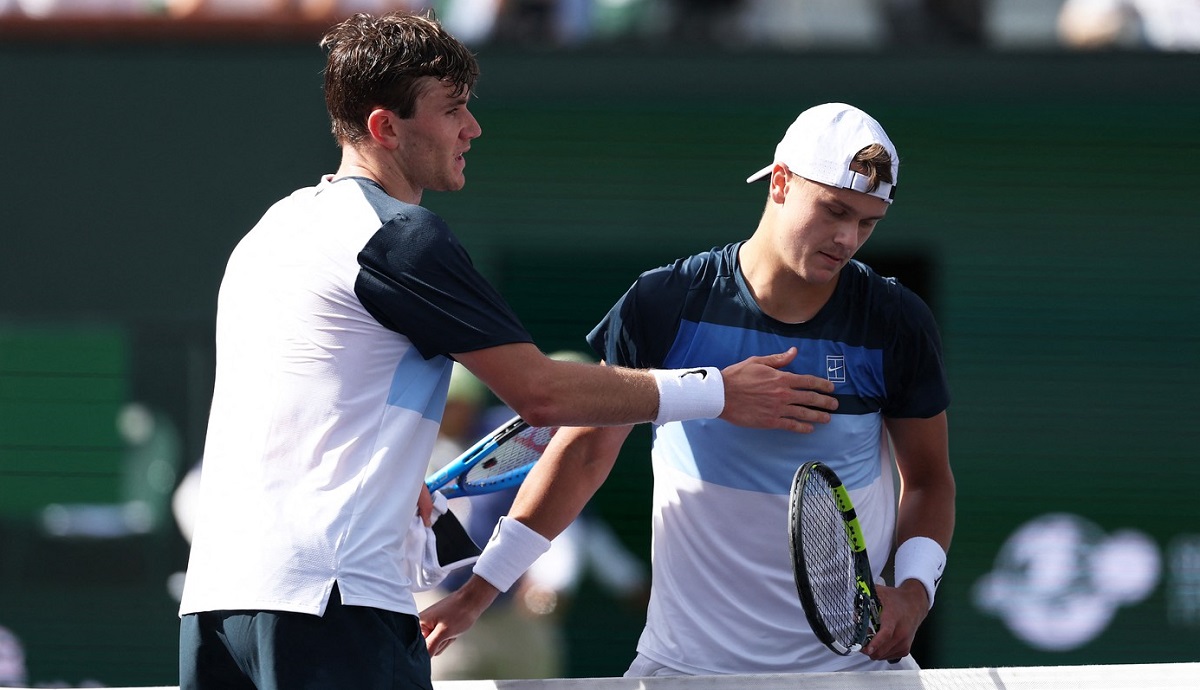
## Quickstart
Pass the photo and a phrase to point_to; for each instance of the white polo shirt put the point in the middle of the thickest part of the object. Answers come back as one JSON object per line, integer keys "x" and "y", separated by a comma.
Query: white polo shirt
{"x": 334, "y": 321}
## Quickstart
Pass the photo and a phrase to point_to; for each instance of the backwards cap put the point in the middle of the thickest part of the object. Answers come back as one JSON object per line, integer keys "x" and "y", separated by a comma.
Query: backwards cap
{"x": 822, "y": 142}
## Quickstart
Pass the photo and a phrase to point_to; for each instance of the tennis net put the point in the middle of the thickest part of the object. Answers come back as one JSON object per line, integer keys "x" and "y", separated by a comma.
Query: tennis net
{"x": 1175, "y": 676}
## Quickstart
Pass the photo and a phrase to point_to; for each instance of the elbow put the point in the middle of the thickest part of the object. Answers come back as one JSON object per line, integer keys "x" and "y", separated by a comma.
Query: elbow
{"x": 539, "y": 416}
{"x": 538, "y": 410}
{"x": 950, "y": 487}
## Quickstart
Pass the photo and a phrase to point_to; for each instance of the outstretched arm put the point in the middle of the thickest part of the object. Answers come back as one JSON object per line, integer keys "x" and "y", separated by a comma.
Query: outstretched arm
{"x": 757, "y": 392}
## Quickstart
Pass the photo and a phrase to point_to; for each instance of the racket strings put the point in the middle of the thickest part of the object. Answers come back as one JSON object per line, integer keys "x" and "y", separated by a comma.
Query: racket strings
{"x": 830, "y": 563}
{"x": 517, "y": 451}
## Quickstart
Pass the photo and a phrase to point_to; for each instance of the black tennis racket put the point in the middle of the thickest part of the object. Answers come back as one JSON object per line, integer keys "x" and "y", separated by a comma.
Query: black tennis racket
{"x": 498, "y": 461}
{"x": 829, "y": 560}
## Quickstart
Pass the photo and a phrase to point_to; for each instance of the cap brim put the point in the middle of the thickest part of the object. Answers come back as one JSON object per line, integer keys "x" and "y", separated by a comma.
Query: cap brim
{"x": 761, "y": 173}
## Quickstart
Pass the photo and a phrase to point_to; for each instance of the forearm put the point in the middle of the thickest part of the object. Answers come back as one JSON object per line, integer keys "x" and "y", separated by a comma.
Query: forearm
{"x": 925, "y": 523}
{"x": 547, "y": 392}
{"x": 927, "y": 489}
{"x": 556, "y": 490}
{"x": 575, "y": 394}
{"x": 575, "y": 464}
{"x": 927, "y": 511}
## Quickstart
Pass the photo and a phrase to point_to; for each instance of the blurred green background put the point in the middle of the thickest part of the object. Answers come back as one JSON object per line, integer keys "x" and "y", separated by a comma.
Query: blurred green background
{"x": 1046, "y": 208}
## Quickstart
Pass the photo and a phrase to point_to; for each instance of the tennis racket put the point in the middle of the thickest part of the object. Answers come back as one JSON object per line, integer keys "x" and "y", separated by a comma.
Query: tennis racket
{"x": 829, "y": 560}
{"x": 498, "y": 461}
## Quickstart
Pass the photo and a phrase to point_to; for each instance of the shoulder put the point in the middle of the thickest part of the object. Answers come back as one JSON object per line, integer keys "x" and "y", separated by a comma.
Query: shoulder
{"x": 414, "y": 231}
{"x": 388, "y": 210}
{"x": 693, "y": 271}
{"x": 412, "y": 219}
{"x": 881, "y": 292}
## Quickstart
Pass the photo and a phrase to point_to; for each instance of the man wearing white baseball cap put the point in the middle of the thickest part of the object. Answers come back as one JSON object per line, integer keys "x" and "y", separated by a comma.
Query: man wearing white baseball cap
{"x": 723, "y": 599}
{"x": 821, "y": 146}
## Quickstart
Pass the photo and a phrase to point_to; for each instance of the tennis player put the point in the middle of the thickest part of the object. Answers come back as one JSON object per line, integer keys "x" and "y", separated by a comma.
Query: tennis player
{"x": 338, "y": 319}
{"x": 723, "y": 598}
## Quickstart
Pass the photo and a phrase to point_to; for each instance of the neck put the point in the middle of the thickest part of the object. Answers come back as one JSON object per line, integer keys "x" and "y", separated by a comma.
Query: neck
{"x": 355, "y": 164}
{"x": 780, "y": 291}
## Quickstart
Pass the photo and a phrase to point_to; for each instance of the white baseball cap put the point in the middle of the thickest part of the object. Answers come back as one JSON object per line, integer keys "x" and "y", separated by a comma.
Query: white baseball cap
{"x": 822, "y": 142}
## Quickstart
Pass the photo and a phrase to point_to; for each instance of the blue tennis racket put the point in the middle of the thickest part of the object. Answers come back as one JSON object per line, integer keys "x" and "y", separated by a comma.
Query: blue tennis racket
{"x": 496, "y": 462}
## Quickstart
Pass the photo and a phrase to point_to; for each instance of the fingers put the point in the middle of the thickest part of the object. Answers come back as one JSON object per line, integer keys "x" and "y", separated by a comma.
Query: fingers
{"x": 775, "y": 361}
{"x": 884, "y": 645}
{"x": 811, "y": 392}
{"x": 437, "y": 634}
{"x": 759, "y": 394}
{"x": 438, "y": 643}
{"x": 900, "y": 618}
{"x": 807, "y": 382}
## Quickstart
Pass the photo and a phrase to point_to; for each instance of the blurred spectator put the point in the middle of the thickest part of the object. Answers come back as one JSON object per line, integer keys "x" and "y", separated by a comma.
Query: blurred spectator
{"x": 935, "y": 22}
{"x": 183, "y": 502}
{"x": 527, "y": 22}
{"x": 12, "y": 660}
{"x": 704, "y": 21}
{"x": 1169, "y": 25}
{"x": 46, "y": 9}
{"x": 242, "y": 9}
{"x": 149, "y": 467}
{"x": 809, "y": 24}
{"x": 471, "y": 21}
{"x": 545, "y": 22}
{"x": 333, "y": 10}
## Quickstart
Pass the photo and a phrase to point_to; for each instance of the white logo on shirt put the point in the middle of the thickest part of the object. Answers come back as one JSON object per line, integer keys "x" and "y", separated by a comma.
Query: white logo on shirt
{"x": 835, "y": 368}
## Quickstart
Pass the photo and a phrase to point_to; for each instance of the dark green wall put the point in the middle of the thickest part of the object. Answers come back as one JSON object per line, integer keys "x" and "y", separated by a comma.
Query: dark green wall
{"x": 1048, "y": 204}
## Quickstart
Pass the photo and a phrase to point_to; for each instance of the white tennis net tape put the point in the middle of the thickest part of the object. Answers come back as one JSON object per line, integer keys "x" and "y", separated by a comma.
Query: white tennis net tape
{"x": 1182, "y": 676}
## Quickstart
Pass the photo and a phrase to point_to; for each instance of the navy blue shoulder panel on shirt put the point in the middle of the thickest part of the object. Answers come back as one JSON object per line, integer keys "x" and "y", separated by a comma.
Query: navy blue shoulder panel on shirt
{"x": 867, "y": 312}
{"x": 641, "y": 327}
{"x": 899, "y": 323}
{"x": 416, "y": 279}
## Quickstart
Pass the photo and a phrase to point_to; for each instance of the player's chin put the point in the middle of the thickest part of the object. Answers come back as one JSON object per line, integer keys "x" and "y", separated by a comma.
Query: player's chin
{"x": 452, "y": 182}
{"x": 822, "y": 270}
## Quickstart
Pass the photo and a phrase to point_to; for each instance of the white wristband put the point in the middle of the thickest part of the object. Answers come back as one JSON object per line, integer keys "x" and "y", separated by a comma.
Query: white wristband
{"x": 509, "y": 553}
{"x": 689, "y": 394}
{"x": 921, "y": 559}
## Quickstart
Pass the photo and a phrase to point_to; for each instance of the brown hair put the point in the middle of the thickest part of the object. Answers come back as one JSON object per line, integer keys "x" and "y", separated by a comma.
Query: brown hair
{"x": 875, "y": 162}
{"x": 379, "y": 61}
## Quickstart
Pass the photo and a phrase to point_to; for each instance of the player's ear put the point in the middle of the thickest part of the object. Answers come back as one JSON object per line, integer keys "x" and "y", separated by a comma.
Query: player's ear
{"x": 778, "y": 180}
{"x": 383, "y": 127}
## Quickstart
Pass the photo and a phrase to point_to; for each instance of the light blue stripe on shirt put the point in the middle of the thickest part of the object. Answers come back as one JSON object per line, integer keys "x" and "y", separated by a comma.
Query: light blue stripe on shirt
{"x": 420, "y": 384}
{"x": 765, "y": 461}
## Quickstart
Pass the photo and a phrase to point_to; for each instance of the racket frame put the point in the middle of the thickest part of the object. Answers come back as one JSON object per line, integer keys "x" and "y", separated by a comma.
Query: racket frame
{"x": 866, "y": 601}
{"x": 449, "y": 480}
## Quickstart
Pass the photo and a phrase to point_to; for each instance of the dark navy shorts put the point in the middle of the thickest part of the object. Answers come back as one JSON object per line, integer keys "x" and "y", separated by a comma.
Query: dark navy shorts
{"x": 350, "y": 647}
